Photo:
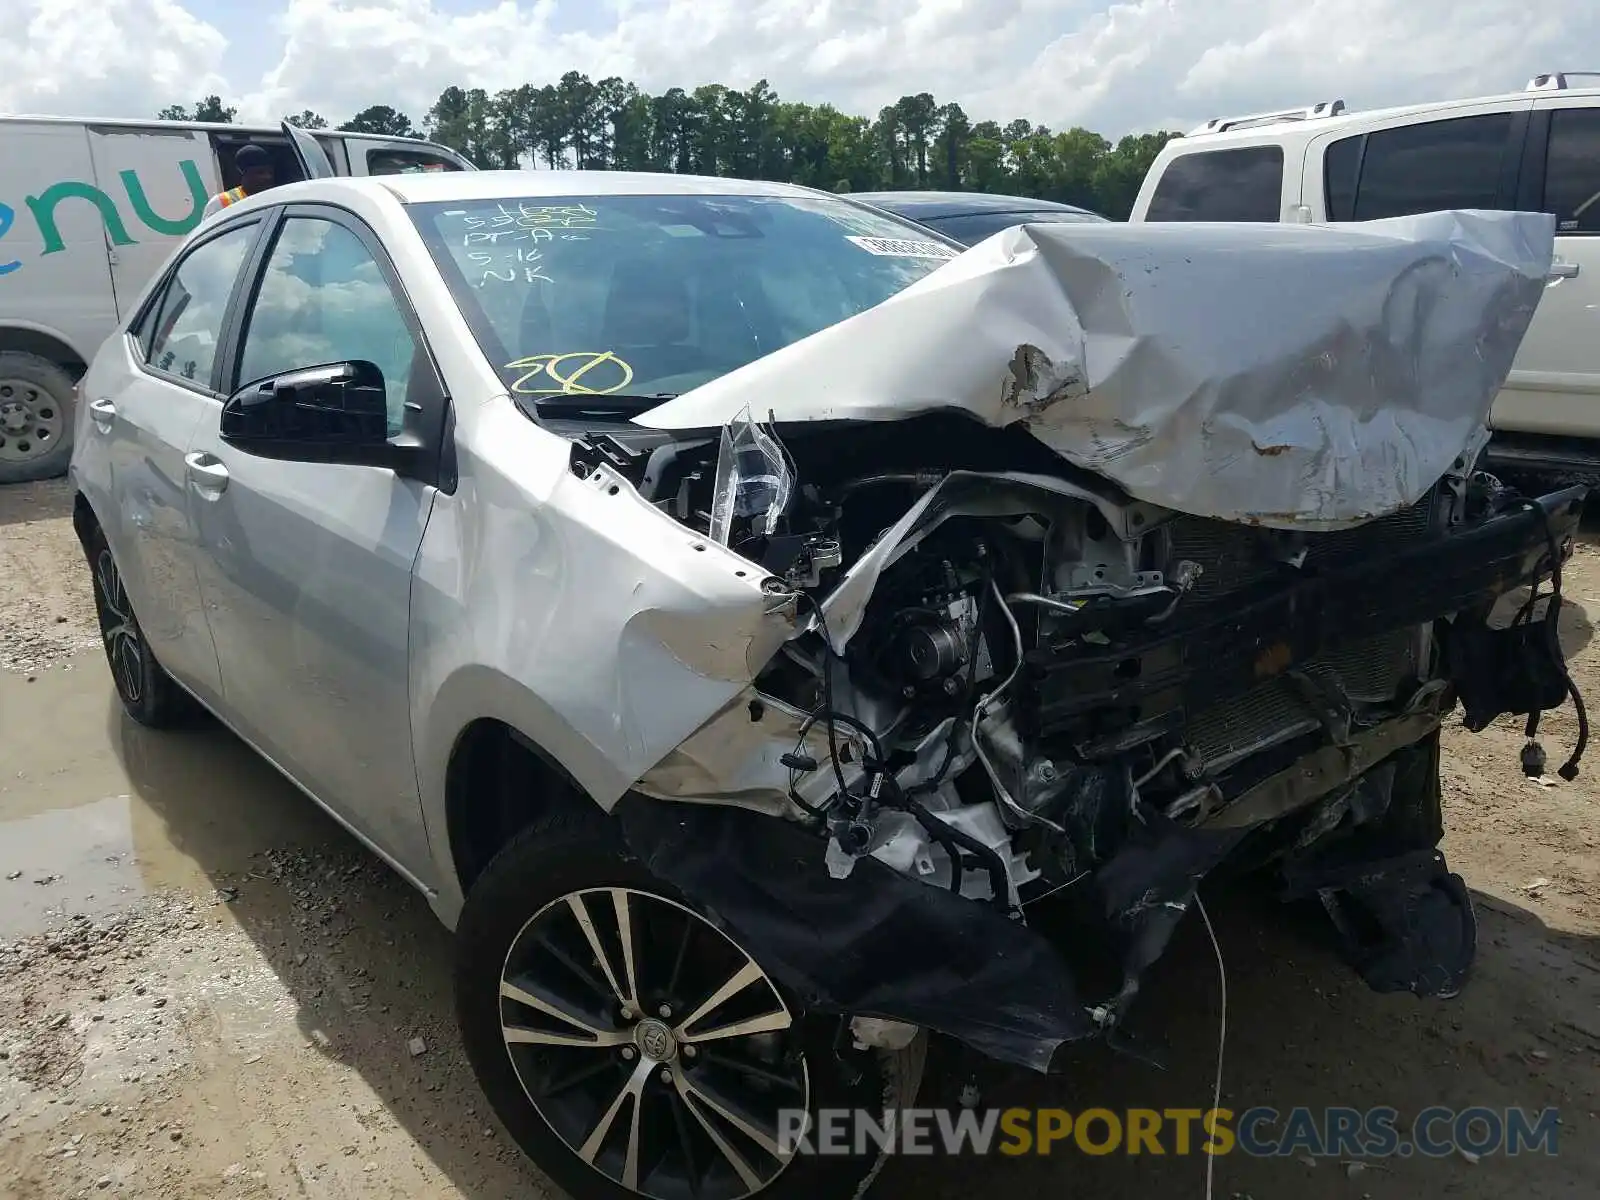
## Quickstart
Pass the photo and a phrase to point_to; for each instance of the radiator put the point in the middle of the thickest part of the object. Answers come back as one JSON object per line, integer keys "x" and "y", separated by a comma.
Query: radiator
{"x": 1370, "y": 670}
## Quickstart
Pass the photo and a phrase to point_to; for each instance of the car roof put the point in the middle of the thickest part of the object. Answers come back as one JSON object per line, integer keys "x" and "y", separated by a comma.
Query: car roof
{"x": 156, "y": 125}
{"x": 925, "y": 205}
{"x": 427, "y": 187}
{"x": 1293, "y": 126}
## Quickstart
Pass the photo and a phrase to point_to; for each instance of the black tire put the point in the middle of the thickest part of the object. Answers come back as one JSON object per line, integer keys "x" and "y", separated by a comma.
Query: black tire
{"x": 147, "y": 692}
{"x": 531, "y": 878}
{"x": 36, "y": 410}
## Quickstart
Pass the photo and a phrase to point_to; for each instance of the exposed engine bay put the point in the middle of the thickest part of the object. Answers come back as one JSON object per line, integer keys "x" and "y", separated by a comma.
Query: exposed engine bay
{"x": 1009, "y": 683}
{"x": 1099, "y": 561}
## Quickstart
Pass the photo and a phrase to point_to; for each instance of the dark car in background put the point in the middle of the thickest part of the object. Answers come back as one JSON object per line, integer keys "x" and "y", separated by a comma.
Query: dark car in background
{"x": 969, "y": 217}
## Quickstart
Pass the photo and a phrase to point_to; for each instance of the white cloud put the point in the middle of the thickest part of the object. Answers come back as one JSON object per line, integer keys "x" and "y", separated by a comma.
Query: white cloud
{"x": 112, "y": 58}
{"x": 1113, "y": 67}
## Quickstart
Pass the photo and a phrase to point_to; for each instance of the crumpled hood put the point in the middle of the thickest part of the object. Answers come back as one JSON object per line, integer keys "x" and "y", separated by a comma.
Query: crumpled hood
{"x": 1290, "y": 376}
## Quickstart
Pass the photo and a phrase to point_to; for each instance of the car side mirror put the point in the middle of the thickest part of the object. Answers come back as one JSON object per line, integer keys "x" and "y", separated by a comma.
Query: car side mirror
{"x": 337, "y": 404}
{"x": 333, "y": 413}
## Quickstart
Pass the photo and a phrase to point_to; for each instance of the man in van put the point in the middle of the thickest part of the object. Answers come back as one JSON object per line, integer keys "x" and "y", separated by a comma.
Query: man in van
{"x": 255, "y": 175}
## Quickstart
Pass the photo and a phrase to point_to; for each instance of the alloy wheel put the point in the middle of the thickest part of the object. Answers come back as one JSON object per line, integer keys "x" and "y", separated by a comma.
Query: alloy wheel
{"x": 31, "y": 422}
{"x": 652, "y": 1045}
{"x": 124, "y": 649}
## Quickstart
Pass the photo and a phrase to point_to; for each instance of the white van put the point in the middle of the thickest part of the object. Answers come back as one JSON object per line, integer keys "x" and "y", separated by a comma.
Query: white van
{"x": 89, "y": 210}
{"x": 1536, "y": 150}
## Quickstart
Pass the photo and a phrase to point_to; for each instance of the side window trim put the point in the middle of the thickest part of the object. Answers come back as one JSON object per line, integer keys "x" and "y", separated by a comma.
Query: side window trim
{"x": 144, "y": 323}
{"x": 1533, "y": 163}
{"x": 434, "y": 410}
{"x": 243, "y": 300}
{"x": 1511, "y": 160}
{"x": 369, "y": 240}
{"x": 1323, "y": 150}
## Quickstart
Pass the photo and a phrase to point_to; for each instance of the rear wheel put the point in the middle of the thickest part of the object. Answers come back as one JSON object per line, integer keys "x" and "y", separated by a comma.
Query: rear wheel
{"x": 146, "y": 690}
{"x": 632, "y": 1048}
{"x": 36, "y": 398}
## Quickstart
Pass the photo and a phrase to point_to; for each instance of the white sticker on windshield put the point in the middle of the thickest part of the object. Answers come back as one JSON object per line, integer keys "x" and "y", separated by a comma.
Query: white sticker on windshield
{"x": 904, "y": 248}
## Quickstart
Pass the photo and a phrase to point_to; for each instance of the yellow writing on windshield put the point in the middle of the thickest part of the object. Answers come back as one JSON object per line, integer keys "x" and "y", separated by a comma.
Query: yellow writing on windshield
{"x": 576, "y": 373}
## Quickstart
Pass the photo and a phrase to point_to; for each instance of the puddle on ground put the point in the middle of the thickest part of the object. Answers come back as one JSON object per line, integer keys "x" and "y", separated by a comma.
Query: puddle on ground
{"x": 61, "y": 863}
{"x": 97, "y": 811}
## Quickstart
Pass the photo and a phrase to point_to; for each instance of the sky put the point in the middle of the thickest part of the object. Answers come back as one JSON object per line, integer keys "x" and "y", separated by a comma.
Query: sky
{"x": 1115, "y": 68}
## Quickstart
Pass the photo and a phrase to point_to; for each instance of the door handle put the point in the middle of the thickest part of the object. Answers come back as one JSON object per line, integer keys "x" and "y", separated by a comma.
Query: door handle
{"x": 103, "y": 413}
{"x": 207, "y": 474}
{"x": 1563, "y": 270}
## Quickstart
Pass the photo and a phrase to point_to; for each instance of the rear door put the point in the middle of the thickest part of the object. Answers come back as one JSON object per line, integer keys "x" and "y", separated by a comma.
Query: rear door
{"x": 161, "y": 176}
{"x": 1469, "y": 156}
{"x": 1555, "y": 387}
{"x": 1466, "y": 157}
{"x": 145, "y": 399}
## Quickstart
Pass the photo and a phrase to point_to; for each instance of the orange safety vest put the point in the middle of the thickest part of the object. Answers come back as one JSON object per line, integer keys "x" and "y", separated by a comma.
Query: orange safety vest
{"x": 233, "y": 196}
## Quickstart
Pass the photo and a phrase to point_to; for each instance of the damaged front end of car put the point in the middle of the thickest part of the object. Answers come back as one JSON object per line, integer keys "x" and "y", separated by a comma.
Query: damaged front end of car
{"x": 1028, "y": 664}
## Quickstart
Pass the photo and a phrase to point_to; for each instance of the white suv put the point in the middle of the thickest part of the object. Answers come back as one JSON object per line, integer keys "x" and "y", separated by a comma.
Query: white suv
{"x": 1537, "y": 150}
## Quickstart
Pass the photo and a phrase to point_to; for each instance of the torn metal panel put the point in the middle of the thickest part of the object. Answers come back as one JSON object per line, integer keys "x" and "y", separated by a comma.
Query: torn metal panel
{"x": 1312, "y": 377}
{"x": 874, "y": 944}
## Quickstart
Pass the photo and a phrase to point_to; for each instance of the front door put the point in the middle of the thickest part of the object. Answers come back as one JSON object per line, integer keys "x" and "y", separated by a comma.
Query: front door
{"x": 306, "y": 567}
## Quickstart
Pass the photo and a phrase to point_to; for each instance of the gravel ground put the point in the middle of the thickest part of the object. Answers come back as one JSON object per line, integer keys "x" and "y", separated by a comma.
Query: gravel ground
{"x": 207, "y": 989}
{"x": 45, "y": 607}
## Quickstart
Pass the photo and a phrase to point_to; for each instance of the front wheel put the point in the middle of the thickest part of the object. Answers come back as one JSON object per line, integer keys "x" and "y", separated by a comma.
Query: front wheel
{"x": 632, "y": 1048}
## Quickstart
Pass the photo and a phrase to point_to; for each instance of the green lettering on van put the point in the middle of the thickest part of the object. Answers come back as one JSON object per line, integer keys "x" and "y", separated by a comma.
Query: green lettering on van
{"x": 141, "y": 202}
{"x": 44, "y": 212}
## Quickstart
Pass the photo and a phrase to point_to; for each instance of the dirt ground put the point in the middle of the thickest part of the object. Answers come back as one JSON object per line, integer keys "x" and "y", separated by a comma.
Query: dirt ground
{"x": 207, "y": 989}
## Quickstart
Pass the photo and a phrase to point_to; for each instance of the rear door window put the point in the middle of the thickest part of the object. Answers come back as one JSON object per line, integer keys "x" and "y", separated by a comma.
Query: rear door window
{"x": 1572, "y": 170}
{"x": 1427, "y": 167}
{"x": 186, "y": 322}
{"x": 407, "y": 162}
{"x": 1245, "y": 184}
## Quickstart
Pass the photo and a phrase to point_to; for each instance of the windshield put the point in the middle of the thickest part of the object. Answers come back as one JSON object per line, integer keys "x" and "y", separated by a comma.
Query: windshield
{"x": 640, "y": 298}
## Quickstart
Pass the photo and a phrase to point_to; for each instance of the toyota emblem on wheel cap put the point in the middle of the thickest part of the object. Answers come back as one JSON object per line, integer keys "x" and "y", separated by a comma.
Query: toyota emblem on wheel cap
{"x": 656, "y": 1040}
